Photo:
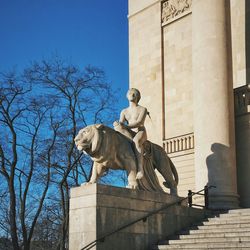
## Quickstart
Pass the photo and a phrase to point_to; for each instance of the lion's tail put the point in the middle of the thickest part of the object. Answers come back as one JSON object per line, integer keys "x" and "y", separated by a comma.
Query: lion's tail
{"x": 174, "y": 171}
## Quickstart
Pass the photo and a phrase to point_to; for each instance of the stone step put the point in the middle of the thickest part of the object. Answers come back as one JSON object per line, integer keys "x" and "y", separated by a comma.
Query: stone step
{"x": 231, "y": 217}
{"x": 209, "y": 240}
{"x": 222, "y": 226}
{"x": 239, "y": 211}
{"x": 213, "y": 231}
{"x": 198, "y": 248}
{"x": 225, "y": 231}
{"x": 220, "y": 234}
{"x": 211, "y": 245}
{"x": 223, "y": 222}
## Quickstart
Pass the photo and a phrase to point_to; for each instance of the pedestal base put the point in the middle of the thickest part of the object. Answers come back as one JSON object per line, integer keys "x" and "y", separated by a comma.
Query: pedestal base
{"x": 96, "y": 210}
{"x": 223, "y": 201}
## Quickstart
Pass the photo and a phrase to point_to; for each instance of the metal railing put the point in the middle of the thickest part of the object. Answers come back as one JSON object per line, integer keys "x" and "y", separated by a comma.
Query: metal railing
{"x": 205, "y": 194}
{"x": 145, "y": 217}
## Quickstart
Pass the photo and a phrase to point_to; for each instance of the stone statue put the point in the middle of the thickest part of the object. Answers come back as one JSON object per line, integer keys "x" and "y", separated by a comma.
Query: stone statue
{"x": 111, "y": 149}
{"x": 127, "y": 148}
{"x": 131, "y": 124}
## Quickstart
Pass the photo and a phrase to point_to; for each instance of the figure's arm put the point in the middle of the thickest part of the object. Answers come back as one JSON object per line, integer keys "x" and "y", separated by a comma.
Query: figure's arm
{"x": 122, "y": 121}
{"x": 122, "y": 117}
{"x": 140, "y": 120}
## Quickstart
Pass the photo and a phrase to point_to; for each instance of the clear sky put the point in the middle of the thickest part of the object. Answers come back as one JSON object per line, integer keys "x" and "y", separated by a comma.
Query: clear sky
{"x": 84, "y": 32}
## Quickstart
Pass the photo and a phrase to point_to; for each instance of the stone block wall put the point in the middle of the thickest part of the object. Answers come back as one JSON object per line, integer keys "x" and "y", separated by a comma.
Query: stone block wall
{"x": 96, "y": 210}
{"x": 145, "y": 61}
{"x": 160, "y": 67}
{"x": 161, "y": 44}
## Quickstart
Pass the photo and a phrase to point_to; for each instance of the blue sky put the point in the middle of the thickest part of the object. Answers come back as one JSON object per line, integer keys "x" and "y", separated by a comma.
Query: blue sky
{"x": 84, "y": 32}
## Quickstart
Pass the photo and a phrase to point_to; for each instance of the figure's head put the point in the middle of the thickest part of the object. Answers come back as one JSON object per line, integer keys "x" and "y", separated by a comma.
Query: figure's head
{"x": 134, "y": 94}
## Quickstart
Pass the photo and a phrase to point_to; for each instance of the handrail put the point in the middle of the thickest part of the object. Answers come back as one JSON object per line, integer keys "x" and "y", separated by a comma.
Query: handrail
{"x": 205, "y": 194}
{"x": 143, "y": 218}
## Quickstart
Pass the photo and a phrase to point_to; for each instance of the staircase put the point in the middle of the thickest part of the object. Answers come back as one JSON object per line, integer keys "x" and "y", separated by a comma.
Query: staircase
{"x": 226, "y": 231}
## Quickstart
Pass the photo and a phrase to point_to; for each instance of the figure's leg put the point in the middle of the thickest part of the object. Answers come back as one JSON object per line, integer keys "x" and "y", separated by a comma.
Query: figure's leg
{"x": 140, "y": 160}
{"x": 132, "y": 182}
{"x": 139, "y": 139}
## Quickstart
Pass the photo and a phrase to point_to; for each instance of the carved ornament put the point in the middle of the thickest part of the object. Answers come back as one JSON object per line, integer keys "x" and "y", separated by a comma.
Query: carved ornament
{"x": 173, "y": 9}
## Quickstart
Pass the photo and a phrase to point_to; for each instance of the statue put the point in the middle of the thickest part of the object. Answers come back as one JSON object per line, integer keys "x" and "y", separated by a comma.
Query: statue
{"x": 127, "y": 148}
{"x": 131, "y": 124}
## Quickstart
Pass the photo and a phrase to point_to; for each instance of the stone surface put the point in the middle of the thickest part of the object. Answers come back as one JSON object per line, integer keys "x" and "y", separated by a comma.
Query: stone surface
{"x": 215, "y": 162}
{"x": 238, "y": 28}
{"x": 161, "y": 67}
{"x": 145, "y": 61}
{"x": 108, "y": 208}
{"x": 229, "y": 230}
{"x": 110, "y": 149}
{"x": 172, "y": 9}
{"x": 178, "y": 77}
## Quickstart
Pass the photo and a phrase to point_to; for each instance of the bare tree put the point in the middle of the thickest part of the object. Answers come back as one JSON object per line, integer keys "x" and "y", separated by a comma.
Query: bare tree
{"x": 82, "y": 97}
{"x": 21, "y": 118}
{"x": 40, "y": 113}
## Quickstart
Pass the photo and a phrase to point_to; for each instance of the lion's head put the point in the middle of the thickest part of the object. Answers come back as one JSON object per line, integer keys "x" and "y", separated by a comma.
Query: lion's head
{"x": 88, "y": 138}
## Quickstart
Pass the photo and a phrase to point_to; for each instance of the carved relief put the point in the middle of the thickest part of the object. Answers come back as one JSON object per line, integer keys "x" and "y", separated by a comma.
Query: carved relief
{"x": 173, "y": 8}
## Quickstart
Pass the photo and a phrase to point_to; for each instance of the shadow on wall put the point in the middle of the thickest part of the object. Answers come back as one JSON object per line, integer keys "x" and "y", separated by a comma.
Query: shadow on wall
{"x": 247, "y": 39}
{"x": 217, "y": 166}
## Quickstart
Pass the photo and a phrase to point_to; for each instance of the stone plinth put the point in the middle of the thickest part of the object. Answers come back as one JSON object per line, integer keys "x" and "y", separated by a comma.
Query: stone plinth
{"x": 96, "y": 210}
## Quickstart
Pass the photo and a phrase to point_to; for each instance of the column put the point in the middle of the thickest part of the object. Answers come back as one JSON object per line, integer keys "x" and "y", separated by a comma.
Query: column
{"x": 213, "y": 102}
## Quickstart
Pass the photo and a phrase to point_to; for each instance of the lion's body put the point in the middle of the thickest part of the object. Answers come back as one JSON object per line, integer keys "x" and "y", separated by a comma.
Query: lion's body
{"x": 110, "y": 149}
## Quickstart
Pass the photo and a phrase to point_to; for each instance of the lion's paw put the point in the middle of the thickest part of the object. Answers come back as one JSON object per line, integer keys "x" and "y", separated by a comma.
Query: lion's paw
{"x": 87, "y": 183}
{"x": 132, "y": 186}
{"x": 139, "y": 175}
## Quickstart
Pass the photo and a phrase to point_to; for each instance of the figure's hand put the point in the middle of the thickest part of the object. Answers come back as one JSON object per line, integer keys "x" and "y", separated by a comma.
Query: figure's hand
{"x": 116, "y": 123}
{"x": 122, "y": 124}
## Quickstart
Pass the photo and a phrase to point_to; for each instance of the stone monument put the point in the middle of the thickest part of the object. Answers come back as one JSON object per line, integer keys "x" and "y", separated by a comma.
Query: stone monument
{"x": 124, "y": 147}
{"x": 98, "y": 212}
{"x": 191, "y": 61}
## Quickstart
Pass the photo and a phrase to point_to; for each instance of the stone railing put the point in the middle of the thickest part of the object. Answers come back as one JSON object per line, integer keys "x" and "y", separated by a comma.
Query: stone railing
{"x": 174, "y": 9}
{"x": 179, "y": 143}
{"x": 242, "y": 100}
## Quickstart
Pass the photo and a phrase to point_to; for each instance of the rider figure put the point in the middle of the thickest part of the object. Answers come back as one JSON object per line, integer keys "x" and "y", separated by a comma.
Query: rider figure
{"x": 132, "y": 125}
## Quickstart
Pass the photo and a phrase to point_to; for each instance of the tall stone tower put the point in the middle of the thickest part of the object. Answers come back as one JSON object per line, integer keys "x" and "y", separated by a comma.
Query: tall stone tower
{"x": 190, "y": 60}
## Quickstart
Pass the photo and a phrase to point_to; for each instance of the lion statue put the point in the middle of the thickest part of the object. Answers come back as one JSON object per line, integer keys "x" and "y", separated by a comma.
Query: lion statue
{"x": 110, "y": 149}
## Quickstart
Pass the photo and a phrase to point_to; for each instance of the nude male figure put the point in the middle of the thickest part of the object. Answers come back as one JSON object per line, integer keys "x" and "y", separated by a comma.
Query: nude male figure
{"x": 131, "y": 124}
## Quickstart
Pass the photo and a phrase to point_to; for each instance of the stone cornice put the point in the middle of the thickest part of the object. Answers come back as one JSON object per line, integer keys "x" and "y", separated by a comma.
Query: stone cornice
{"x": 139, "y": 11}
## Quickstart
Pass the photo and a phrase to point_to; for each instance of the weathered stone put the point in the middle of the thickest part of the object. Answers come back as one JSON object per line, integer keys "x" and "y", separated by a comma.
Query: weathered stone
{"x": 116, "y": 207}
{"x": 111, "y": 149}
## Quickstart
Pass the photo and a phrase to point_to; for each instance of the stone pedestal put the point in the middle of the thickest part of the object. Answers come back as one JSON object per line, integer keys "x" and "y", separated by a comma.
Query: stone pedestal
{"x": 213, "y": 102}
{"x": 96, "y": 210}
